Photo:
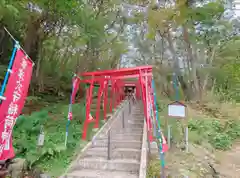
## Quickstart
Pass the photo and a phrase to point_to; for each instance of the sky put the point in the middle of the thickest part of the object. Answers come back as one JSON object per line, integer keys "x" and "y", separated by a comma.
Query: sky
{"x": 237, "y": 7}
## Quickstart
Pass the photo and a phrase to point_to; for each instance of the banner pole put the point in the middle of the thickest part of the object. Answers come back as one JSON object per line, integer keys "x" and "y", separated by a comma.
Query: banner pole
{"x": 159, "y": 131}
{"x": 16, "y": 47}
{"x": 69, "y": 114}
{"x": 20, "y": 47}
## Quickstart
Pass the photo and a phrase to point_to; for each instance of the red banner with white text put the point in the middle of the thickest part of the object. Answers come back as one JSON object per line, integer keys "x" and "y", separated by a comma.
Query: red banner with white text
{"x": 15, "y": 93}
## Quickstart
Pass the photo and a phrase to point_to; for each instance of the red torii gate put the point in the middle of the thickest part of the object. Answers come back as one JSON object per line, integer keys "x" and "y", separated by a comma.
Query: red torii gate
{"x": 116, "y": 79}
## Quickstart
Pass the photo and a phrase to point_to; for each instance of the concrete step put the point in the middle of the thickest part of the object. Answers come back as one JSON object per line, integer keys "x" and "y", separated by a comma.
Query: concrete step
{"x": 118, "y": 153}
{"x": 134, "y": 135}
{"x": 117, "y": 144}
{"x": 132, "y": 125}
{"x": 122, "y": 137}
{"x": 127, "y": 133}
{"x": 88, "y": 173}
{"x": 131, "y": 130}
{"x": 127, "y": 165}
{"x": 138, "y": 117}
{"x": 125, "y": 149}
{"x": 135, "y": 121}
{"x": 129, "y": 137}
{"x": 137, "y": 113}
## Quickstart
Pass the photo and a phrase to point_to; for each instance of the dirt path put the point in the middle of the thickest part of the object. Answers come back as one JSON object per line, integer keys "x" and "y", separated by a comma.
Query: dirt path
{"x": 229, "y": 162}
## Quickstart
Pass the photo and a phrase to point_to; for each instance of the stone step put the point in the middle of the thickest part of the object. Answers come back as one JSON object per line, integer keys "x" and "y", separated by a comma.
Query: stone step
{"x": 125, "y": 149}
{"x": 131, "y": 130}
{"x": 118, "y": 153}
{"x": 137, "y": 134}
{"x": 117, "y": 144}
{"x": 127, "y": 126}
{"x": 128, "y": 165}
{"x": 137, "y": 112}
{"x": 125, "y": 131}
{"x": 137, "y": 109}
{"x": 133, "y": 125}
{"x": 138, "y": 116}
{"x": 123, "y": 136}
{"x": 135, "y": 121}
{"x": 88, "y": 173}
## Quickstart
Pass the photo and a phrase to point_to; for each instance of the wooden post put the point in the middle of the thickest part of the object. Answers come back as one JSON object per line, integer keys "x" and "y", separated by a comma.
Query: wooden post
{"x": 169, "y": 136}
{"x": 186, "y": 138}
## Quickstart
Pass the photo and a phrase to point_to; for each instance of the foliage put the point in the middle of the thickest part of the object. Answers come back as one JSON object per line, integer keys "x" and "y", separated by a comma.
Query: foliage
{"x": 63, "y": 37}
{"x": 195, "y": 40}
{"x": 153, "y": 169}
{"x": 227, "y": 75}
{"x": 220, "y": 134}
{"x": 53, "y": 119}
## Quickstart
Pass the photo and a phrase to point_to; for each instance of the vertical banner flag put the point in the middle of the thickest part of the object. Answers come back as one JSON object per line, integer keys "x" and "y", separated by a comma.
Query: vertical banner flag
{"x": 10, "y": 109}
{"x": 76, "y": 82}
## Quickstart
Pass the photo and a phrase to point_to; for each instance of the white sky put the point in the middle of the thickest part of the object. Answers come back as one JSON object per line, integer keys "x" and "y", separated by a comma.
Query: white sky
{"x": 237, "y": 7}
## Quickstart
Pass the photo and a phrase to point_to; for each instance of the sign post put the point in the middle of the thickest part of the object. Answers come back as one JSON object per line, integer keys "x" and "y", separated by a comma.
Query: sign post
{"x": 179, "y": 111}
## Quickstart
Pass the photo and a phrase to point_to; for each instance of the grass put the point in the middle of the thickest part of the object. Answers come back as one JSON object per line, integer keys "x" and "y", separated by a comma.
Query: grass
{"x": 205, "y": 133}
{"x": 220, "y": 135}
{"x": 220, "y": 132}
{"x": 153, "y": 168}
{"x": 52, "y": 157}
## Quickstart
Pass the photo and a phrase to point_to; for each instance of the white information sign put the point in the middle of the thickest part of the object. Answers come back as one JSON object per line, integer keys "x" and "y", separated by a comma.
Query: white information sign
{"x": 41, "y": 139}
{"x": 176, "y": 110}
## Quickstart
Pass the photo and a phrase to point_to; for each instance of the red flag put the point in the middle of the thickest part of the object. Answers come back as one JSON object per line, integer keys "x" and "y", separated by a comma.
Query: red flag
{"x": 16, "y": 93}
{"x": 76, "y": 82}
{"x": 164, "y": 144}
{"x": 90, "y": 118}
{"x": 70, "y": 116}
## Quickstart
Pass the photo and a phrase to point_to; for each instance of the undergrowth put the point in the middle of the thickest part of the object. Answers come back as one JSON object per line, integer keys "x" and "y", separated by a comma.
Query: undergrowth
{"x": 219, "y": 134}
{"x": 153, "y": 168}
{"x": 52, "y": 157}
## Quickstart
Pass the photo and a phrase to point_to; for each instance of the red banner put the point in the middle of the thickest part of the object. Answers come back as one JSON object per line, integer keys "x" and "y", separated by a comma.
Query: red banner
{"x": 16, "y": 93}
{"x": 76, "y": 83}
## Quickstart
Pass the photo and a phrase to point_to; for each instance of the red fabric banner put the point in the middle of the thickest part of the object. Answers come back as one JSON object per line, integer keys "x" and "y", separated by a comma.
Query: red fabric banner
{"x": 164, "y": 144}
{"x": 76, "y": 83}
{"x": 15, "y": 93}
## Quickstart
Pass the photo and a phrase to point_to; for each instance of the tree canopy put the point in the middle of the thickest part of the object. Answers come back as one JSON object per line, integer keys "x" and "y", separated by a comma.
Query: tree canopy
{"x": 198, "y": 40}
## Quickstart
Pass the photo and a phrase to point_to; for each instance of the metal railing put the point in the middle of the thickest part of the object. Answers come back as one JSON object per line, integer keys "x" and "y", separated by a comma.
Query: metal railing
{"x": 110, "y": 132}
{"x": 109, "y": 145}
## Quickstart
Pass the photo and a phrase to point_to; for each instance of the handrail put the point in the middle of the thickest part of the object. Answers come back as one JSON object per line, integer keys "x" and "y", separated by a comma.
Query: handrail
{"x": 106, "y": 126}
{"x": 109, "y": 133}
{"x": 123, "y": 119}
{"x": 144, "y": 153}
{"x": 109, "y": 145}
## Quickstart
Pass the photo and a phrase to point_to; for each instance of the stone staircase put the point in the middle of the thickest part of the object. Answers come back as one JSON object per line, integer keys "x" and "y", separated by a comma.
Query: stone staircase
{"x": 116, "y": 151}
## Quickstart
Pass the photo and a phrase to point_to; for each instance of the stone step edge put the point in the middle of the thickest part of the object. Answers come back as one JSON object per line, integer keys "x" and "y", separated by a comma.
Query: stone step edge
{"x": 86, "y": 163}
{"x": 116, "y": 149}
{"x": 144, "y": 153}
{"x": 91, "y": 172}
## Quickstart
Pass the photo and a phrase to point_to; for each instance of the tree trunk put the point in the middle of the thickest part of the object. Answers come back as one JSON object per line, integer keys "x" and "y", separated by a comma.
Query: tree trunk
{"x": 194, "y": 75}
{"x": 32, "y": 38}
